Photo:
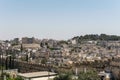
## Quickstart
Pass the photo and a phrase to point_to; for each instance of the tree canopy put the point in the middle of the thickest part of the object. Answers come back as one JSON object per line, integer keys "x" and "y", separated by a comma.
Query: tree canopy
{"x": 89, "y": 75}
{"x": 98, "y": 37}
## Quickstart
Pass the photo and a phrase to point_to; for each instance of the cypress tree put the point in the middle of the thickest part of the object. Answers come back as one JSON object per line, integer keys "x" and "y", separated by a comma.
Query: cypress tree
{"x": 6, "y": 63}
{"x": 21, "y": 48}
{"x": 10, "y": 62}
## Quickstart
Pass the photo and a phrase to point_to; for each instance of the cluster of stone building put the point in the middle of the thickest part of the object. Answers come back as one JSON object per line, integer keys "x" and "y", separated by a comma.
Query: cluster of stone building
{"x": 61, "y": 52}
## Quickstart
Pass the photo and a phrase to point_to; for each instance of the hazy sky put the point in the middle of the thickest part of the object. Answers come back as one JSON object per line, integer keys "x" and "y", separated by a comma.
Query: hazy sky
{"x": 58, "y": 19}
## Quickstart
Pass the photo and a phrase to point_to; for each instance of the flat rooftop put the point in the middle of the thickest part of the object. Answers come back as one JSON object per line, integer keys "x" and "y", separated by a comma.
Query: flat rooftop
{"x": 36, "y": 74}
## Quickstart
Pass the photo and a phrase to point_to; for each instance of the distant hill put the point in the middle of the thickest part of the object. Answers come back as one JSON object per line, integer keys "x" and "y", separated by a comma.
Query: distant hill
{"x": 104, "y": 37}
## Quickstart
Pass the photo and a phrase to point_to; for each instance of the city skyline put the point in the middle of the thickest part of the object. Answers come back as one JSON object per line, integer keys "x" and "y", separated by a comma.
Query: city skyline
{"x": 58, "y": 19}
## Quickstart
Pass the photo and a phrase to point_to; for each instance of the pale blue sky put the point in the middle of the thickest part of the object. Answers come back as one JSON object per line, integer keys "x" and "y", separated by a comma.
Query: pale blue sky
{"x": 58, "y": 19}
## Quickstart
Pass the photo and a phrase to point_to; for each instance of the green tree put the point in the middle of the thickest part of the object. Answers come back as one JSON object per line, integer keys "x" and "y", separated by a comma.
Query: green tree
{"x": 43, "y": 61}
{"x": 63, "y": 77}
{"x": 17, "y": 78}
{"x": 90, "y": 75}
